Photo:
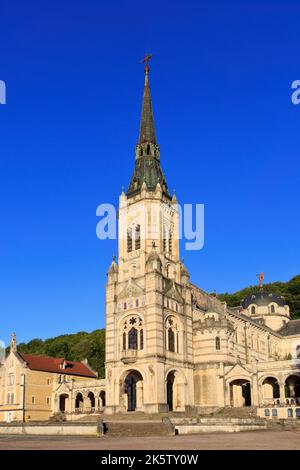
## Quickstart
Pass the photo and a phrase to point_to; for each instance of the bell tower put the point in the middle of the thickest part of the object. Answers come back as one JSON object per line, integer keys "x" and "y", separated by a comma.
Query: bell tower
{"x": 148, "y": 298}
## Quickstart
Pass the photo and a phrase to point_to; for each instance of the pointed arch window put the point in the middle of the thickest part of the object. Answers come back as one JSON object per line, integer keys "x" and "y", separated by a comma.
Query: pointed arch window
{"x": 171, "y": 340}
{"x": 172, "y": 334}
{"x": 218, "y": 343}
{"x": 170, "y": 242}
{"x": 132, "y": 338}
{"x": 129, "y": 239}
{"x": 141, "y": 339}
{"x": 272, "y": 308}
{"x": 137, "y": 237}
{"x": 164, "y": 239}
{"x": 253, "y": 310}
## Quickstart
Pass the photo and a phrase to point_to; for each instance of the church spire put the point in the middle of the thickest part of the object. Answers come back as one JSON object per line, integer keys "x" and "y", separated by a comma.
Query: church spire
{"x": 147, "y": 130}
{"x": 147, "y": 171}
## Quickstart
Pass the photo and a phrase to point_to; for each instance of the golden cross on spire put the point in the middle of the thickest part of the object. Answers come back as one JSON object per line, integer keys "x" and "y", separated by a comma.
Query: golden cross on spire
{"x": 146, "y": 60}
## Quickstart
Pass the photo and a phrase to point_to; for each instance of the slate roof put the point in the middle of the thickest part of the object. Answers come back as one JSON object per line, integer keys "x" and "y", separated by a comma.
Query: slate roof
{"x": 51, "y": 364}
{"x": 147, "y": 130}
{"x": 290, "y": 328}
{"x": 262, "y": 298}
{"x": 147, "y": 169}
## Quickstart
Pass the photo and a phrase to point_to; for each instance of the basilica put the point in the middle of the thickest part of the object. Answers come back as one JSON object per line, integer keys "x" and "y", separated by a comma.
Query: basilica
{"x": 170, "y": 346}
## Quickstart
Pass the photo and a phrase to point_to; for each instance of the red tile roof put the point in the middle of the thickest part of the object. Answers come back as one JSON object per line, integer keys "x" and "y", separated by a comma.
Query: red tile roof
{"x": 52, "y": 364}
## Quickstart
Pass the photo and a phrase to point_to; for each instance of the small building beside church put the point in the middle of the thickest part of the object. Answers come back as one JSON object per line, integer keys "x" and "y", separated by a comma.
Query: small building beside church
{"x": 34, "y": 388}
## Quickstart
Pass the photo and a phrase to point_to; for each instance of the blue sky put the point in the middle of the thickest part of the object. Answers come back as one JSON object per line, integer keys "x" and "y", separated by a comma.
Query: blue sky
{"x": 221, "y": 79}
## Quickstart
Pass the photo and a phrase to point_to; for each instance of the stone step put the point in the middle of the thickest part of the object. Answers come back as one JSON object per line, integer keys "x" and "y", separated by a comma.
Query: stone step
{"x": 131, "y": 429}
{"x": 218, "y": 427}
{"x": 223, "y": 420}
{"x": 242, "y": 412}
{"x": 92, "y": 418}
{"x": 283, "y": 424}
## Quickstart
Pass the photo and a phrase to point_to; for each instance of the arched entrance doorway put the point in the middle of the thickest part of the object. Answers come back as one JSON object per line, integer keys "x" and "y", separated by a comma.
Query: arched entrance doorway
{"x": 240, "y": 393}
{"x": 133, "y": 388}
{"x": 63, "y": 400}
{"x": 176, "y": 390}
{"x": 79, "y": 403}
{"x": 292, "y": 386}
{"x": 91, "y": 398}
{"x": 170, "y": 390}
{"x": 102, "y": 399}
{"x": 270, "y": 389}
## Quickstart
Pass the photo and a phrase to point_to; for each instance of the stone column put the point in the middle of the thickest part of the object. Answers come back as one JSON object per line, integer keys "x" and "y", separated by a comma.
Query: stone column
{"x": 139, "y": 395}
{"x": 69, "y": 404}
{"x": 227, "y": 394}
{"x": 254, "y": 385}
{"x": 56, "y": 404}
{"x": 260, "y": 395}
{"x": 282, "y": 392}
{"x": 178, "y": 397}
{"x": 221, "y": 386}
{"x": 86, "y": 404}
{"x": 254, "y": 389}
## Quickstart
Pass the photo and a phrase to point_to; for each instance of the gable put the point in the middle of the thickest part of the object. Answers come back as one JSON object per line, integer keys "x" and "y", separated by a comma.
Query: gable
{"x": 131, "y": 289}
{"x": 238, "y": 371}
{"x": 173, "y": 292}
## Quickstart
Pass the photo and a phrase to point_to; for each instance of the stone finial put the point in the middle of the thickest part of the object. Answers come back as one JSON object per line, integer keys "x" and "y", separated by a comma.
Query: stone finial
{"x": 113, "y": 269}
{"x": 13, "y": 343}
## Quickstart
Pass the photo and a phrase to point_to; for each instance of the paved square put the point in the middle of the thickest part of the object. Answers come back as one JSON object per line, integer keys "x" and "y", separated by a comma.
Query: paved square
{"x": 258, "y": 440}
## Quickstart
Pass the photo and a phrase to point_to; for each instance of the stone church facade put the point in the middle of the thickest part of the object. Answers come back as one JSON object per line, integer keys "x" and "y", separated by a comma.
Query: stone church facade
{"x": 170, "y": 346}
